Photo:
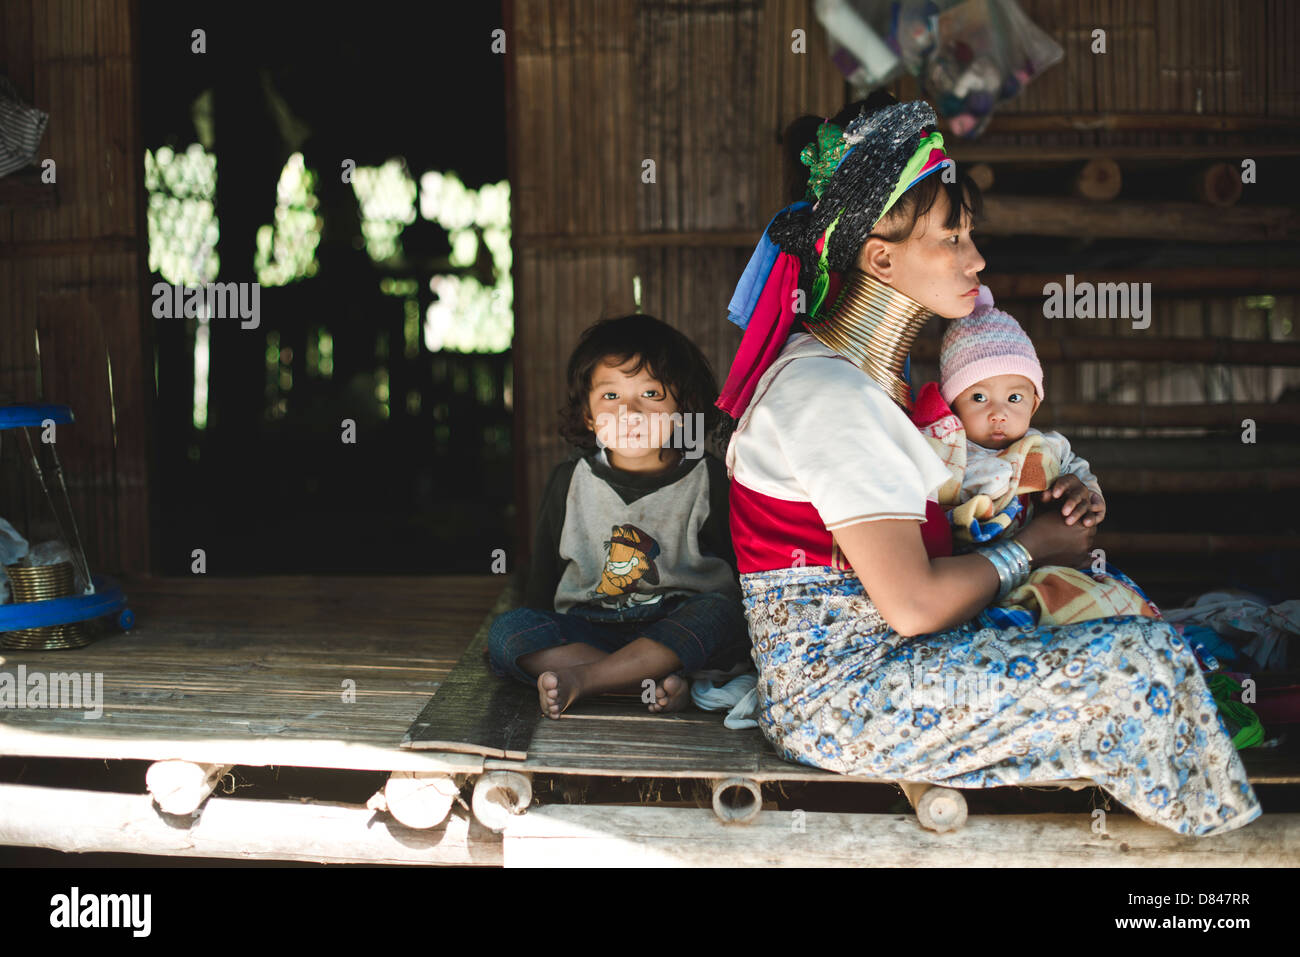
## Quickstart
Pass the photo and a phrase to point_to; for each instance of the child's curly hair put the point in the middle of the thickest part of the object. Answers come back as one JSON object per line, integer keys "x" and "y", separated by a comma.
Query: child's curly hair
{"x": 673, "y": 359}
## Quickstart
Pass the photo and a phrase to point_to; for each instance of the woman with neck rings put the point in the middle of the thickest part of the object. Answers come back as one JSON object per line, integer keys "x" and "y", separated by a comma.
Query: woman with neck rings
{"x": 869, "y": 659}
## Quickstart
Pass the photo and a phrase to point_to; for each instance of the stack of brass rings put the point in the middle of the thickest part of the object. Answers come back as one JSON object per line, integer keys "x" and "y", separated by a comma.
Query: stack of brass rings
{"x": 874, "y": 325}
{"x": 38, "y": 584}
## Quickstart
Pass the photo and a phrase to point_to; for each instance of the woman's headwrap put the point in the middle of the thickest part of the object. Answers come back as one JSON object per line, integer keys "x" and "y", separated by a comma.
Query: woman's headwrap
{"x": 856, "y": 176}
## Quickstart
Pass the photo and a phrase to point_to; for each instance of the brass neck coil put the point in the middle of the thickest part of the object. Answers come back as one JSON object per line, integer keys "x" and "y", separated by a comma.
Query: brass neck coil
{"x": 874, "y": 325}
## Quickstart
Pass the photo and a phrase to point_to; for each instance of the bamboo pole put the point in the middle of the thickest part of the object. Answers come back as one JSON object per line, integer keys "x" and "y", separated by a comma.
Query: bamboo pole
{"x": 500, "y": 796}
{"x": 1004, "y": 122}
{"x": 1164, "y": 153}
{"x": 257, "y": 751}
{"x": 1155, "y": 481}
{"x": 937, "y": 809}
{"x": 1191, "y": 415}
{"x": 418, "y": 799}
{"x": 1189, "y": 222}
{"x": 1193, "y": 543}
{"x": 105, "y": 822}
{"x": 595, "y": 835}
{"x": 180, "y": 787}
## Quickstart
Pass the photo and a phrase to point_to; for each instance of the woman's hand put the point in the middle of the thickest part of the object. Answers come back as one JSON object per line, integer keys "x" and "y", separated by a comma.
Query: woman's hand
{"x": 1052, "y": 539}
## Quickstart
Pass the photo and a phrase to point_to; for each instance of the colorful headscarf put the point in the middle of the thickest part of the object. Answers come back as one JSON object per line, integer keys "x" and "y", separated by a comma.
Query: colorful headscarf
{"x": 856, "y": 176}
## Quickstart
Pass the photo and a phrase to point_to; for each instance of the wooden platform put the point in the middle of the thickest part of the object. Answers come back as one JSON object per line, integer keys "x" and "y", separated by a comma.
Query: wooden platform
{"x": 256, "y": 672}
{"x": 252, "y": 671}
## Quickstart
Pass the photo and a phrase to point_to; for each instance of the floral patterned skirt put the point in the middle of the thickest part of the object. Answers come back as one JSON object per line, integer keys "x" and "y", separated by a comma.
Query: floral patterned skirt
{"x": 1118, "y": 701}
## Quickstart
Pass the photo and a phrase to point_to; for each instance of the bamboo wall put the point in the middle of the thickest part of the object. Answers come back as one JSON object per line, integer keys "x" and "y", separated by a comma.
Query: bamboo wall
{"x": 1239, "y": 53}
{"x": 70, "y": 269}
{"x": 593, "y": 89}
{"x": 705, "y": 88}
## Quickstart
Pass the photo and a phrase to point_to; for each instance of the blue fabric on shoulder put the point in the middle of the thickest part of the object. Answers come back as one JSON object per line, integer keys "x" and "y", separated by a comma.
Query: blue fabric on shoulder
{"x": 754, "y": 278}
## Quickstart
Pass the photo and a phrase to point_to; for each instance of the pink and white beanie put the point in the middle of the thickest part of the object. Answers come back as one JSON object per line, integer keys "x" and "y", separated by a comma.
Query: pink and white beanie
{"x": 986, "y": 343}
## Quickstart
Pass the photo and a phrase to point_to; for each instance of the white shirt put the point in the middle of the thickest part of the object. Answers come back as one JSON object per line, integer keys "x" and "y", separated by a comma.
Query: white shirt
{"x": 820, "y": 430}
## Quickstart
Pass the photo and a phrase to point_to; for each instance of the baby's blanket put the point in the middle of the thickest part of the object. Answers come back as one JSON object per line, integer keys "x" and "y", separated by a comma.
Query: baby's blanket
{"x": 1054, "y": 594}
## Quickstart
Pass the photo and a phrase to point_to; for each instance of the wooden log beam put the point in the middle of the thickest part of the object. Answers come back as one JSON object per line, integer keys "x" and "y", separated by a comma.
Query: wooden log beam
{"x": 1162, "y": 482}
{"x": 500, "y": 796}
{"x": 253, "y": 751}
{"x": 937, "y": 809}
{"x": 1188, "y": 222}
{"x": 106, "y": 822}
{"x": 1165, "y": 153}
{"x": 982, "y": 174}
{"x": 180, "y": 787}
{"x": 1218, "y": 184}
{"x": 1004, "y": 122}
{"x": 1098, "y": 179}
{"x": 731, "y": 238}
{"x": 1201, "y": 415}
{"x": 1141, "y": 348}
{"x": 595, "y": 835}
{"x": 1193, "y": 543}
{"x": 418, "y": 799}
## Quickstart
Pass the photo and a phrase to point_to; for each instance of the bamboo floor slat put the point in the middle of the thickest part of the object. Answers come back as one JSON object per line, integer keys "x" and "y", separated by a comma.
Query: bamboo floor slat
{"x": 253, "y": 671}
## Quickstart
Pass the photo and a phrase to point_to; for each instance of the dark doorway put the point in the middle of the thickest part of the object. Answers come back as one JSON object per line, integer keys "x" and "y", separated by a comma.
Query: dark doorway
{"x": 253, "y": 416}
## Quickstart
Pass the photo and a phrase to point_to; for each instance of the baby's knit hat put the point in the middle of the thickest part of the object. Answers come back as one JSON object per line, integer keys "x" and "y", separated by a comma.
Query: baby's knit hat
{"x": 986, "y": 343}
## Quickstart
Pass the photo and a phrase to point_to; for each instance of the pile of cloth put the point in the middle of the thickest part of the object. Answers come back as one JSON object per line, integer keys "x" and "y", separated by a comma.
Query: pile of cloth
{"x": 1236, "y": 634}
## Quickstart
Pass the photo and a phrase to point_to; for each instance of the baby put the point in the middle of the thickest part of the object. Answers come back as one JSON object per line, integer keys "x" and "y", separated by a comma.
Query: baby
{"x": 977, "y": 420}
{"x": 990, "y": 376}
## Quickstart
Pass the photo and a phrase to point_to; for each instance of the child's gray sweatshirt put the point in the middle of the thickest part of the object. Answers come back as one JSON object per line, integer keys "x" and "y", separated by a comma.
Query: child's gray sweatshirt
{"x": 613, "y": 543}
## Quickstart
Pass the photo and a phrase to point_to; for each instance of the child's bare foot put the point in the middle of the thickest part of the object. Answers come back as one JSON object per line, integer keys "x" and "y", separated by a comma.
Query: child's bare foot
{"x": 671, "y": 694}
{"x": 556, "y": 690}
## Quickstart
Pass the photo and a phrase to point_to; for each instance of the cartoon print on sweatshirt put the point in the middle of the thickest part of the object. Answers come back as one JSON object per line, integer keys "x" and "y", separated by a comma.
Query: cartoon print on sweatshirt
{"x": 629, "y": 558}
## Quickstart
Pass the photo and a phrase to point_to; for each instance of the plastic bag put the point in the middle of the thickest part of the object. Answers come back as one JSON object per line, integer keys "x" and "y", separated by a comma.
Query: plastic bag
{"x": 52, "y": 553}
{"x": 13, "y": 547}
{"x": 853, "y": 30}
{"x": 969, "y": 55}
{"x": 984, "y": 52}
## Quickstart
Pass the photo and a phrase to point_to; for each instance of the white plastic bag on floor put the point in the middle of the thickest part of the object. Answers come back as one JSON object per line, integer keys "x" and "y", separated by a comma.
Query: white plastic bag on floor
{"x": 13, "y": 547}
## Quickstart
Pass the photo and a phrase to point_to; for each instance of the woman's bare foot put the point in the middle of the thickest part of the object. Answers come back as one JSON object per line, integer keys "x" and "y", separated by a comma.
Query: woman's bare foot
{"x": 671, "y": 694}
{"x": 556, "y": 690}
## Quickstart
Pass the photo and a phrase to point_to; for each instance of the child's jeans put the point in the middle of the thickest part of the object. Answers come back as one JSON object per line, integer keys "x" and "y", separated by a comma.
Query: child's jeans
{"x": 704, "y": 630}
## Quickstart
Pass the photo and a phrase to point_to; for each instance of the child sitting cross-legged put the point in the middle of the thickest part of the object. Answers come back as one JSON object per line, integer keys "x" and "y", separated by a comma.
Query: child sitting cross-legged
{"x": 977, "y": 418}
{"x": 633, "y": 582}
